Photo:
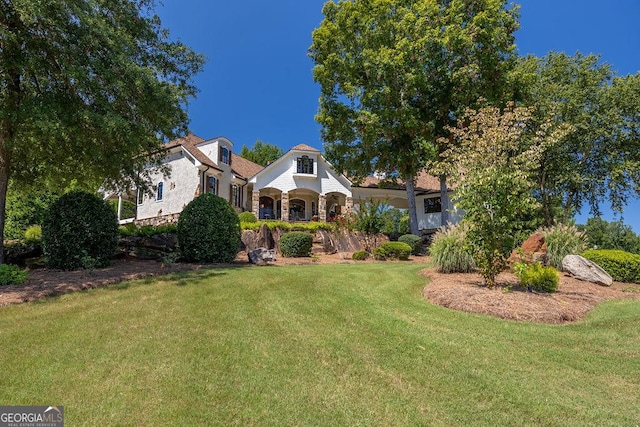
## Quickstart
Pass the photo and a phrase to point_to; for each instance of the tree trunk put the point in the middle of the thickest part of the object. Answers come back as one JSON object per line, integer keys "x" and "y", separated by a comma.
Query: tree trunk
{"x": 5, "y": 163}
{"x": 444, "y": 201}
{"x": 411, "y": 198}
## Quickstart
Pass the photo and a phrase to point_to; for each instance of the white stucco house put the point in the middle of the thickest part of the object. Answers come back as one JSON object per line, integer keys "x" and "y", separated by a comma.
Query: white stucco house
{"x": 299, "y": 186}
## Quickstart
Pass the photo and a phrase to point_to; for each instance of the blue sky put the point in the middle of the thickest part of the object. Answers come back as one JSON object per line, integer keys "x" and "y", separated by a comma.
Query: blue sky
{"x": 257, "y": 83}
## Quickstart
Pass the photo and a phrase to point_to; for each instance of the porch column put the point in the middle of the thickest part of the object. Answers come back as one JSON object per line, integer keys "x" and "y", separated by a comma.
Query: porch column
{"x": 322, "y": 208}
{"x": 348, "y": 206}
{"x": 119, "y": 207}
{"x": 285, "y": 207}
{"x": 255, "y": 203}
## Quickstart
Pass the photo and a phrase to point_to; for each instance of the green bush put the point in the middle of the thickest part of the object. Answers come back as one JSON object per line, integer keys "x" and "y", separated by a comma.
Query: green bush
{"x": 146, "y": 230}
{"x": 450, "y": 250}
{"x": 296, "y": 244}
{"x": 412, "y": 240}
{"x": 33, "y": 234}
{"x": 392, "y": 250}
{"x": 536, "y": 277}
{"x": 622, "y": 266}
{"x": 12, "y": 275}
{"x": 78, "y": 226}
{"x": 248, "y": 217}
{"x": 360, "y": 255}
{"x": 563, "y": 240}
{"x": 208, "y": 230}
{"x": 24, "y": 209}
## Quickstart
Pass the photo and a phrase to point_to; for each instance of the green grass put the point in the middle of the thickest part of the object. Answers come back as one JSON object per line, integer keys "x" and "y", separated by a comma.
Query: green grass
{"x": 312, "y": 345}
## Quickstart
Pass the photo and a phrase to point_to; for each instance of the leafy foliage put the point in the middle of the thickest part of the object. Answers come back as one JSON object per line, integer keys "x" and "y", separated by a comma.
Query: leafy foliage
{"x": 311, "y": 227}
{"x": 146, "y": 230}
{"x": 33, "y": 234}
{"x": 368, "y": 219}
{"x": 12, "y": 275}
{"x": 611, "y": 235}
{"x": 79, "y": 225}
{"x": 25, "y": 209}
{"x": 622, "y": 266}
{"x": 208, "y": 230}
{"x": 360, "y": 255}
{"x": 494, "y": 164}
{"x": 395, "y": 222}
{"x": 392, "y": 250}
{"x": 262, "y": 153}
{"x": 412, "y": 240}
{"x": 393, "y": 74}
{"x": 296, "y": 244}
{"x": 563, "y": 240}
{"x": 247, "y": 217}
{"x": 128, "y": 209}
{"x": 536, "y": 277}
{"x": 450, "y": 250}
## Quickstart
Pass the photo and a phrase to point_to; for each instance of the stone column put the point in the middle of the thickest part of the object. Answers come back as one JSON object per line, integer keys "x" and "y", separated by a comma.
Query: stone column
{"x": 348, "y": 207}
{"x": 255, "y": 203}
{"x": 322, "y": 208}
{"x": 285, "y": 207}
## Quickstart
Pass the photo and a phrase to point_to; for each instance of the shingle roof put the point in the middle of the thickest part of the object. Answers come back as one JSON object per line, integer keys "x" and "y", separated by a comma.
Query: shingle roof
{"x": 305, "y": 147}
{"x": 424, "y": 182}
{"x": 243, "y": 167}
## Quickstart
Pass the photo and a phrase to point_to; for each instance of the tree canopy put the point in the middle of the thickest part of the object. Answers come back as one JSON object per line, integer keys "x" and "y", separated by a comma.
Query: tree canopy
{"x": 262, "y": 153}
{"x": 86, "y": 88}
{"x": 600, "y": 159}
{"x": 395, "y": 74}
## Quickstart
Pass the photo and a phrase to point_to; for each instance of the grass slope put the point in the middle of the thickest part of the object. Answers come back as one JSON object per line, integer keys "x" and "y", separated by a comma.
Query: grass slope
{"x": 312, "y": 345}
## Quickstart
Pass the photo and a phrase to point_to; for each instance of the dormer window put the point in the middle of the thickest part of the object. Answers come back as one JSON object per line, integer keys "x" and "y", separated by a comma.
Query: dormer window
{"x": 225, "y": 155}
{"x": 305, "y": 165}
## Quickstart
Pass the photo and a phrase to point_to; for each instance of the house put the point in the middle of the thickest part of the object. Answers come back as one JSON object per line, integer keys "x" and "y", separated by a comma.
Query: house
{"x": 299, "y": 186}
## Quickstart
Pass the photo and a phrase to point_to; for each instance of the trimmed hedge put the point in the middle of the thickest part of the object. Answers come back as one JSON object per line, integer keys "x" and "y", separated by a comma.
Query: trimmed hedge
{"x": 622, "y": 266}
{"x": 360, "y": 255}
{"x": 412, "y": 240}
{"x": 80, "y": 230}
{"x": 296, "y": 244}
{"x": 392, "y": 250}
{"x": 208, "y": 230}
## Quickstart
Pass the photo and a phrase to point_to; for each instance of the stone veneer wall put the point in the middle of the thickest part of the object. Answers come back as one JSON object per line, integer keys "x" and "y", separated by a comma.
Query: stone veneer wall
{"x": 158, "y": 220}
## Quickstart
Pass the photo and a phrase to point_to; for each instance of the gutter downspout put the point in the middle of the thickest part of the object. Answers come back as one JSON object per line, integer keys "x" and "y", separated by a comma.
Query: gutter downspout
{"x": 204, "y": 175}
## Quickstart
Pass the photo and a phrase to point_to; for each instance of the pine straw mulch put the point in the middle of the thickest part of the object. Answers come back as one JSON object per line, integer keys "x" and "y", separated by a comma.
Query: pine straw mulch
{"x": 466, "y": 292}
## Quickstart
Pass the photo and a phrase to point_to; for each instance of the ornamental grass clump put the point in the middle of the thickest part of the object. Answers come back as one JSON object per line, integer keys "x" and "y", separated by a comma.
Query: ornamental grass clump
{"x": 563, "y": 240}
{"x": 209, "y": 230}
{"x": 450, "y": 250}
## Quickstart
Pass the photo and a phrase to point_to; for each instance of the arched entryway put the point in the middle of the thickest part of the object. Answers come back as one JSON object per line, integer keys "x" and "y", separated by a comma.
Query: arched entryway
{"x": 297, "y": 210}
{"x": 266, "y": 208}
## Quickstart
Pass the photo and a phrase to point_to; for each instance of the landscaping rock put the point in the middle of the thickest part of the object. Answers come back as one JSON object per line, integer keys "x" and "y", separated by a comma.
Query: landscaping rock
{"x": 261, "y": 256}
{"x": 534, "y": 249}
{"x": 586, "y": 270}
{"x": 323, "y": 243}
{"x": 263, "y": 238}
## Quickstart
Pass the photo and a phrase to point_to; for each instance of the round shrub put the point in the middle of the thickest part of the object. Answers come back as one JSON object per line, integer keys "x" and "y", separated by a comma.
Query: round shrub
{"x": 449, "y": 250}
{"x": 412, "y": 240}
{"x": 360, "y": 255}
{"x": 11, "y": 275}
{"x": 392, "y": 250}
{"x": 33, "y": 234}
{"x": 247, "y": 217}
{"x": 538, "y": 278}
{"x": 79, "y": 230}
{"x": 296, "y": 244}
{"x": 208, "y": 230}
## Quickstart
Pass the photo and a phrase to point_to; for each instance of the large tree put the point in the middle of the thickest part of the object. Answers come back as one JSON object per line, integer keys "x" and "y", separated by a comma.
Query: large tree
{"x": 395, "y": 73}
{"x": 262, "y": 153}
{"x": 87, "y": 87}
{"x": 600, "y": 159}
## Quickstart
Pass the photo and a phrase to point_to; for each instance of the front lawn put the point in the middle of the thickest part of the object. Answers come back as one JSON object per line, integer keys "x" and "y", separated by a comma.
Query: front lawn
{"x": 312, "y": 345}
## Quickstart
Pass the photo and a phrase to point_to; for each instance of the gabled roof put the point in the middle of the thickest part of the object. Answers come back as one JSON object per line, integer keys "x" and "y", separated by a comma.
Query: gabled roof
{"x": 305, "y": 147}
{"x": 189, "y": 143}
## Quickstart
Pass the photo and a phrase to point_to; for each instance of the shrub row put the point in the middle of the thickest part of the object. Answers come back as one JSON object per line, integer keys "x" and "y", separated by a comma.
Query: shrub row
{"x": 131, "y": 230}
{"x": 622, "y": 266}
{"x": 285, "y": 226}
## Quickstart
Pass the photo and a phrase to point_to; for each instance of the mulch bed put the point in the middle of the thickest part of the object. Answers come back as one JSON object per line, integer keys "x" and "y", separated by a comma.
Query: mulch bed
{"x": 574, "y": 299}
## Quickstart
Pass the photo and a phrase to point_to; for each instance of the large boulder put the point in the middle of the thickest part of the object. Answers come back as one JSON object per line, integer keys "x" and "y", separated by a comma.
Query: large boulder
{"x": 262, "y": 256}
{"x": 534, "y": 249}
{"x": 586, "y": 270}
{"x": 263, "y": 238}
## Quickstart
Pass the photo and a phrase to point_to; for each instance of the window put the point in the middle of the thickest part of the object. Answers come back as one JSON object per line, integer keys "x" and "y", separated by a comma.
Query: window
{"x": 235, "y": 196}
{"x": 305, "y": 165}
{"x": 140, "y": 196}
{"x": 225, "y": 155}
{"x": 432, "y": 205}
{"x": 159, "y": 191}
{"x": 212, "y": 185}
